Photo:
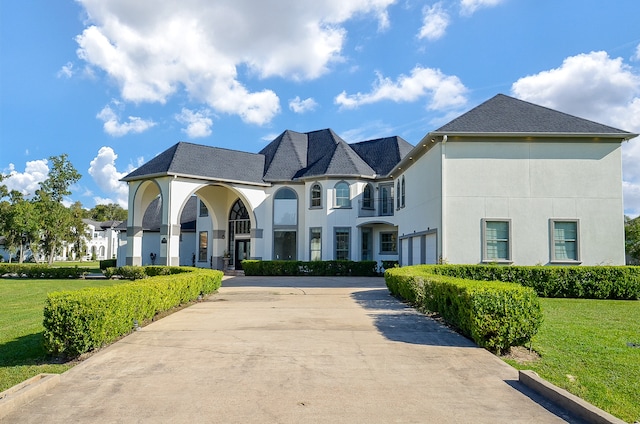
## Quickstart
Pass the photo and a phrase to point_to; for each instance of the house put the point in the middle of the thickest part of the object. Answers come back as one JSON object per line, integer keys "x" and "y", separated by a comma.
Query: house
{"x": 507, "y": 182}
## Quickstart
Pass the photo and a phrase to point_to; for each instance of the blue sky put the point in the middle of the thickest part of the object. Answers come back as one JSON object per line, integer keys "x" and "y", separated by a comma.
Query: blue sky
{"x": 112, "y": 83}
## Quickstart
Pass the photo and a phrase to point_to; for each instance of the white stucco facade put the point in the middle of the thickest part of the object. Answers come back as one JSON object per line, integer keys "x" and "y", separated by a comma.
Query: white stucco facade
{"x": 508, "y": 182}
{"x": 529, "y": 184}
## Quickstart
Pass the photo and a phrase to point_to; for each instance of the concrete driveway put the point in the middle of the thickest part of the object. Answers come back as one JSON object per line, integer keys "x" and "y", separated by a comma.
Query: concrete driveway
{"x": 292, "y": 350}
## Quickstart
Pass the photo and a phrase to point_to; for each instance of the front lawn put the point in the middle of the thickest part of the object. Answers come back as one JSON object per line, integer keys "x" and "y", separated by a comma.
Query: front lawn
{"x": 22, "y": 353}
{"x": 592, "y": 349}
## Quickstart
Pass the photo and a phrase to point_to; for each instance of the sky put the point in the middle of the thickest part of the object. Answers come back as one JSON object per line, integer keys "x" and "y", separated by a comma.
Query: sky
{"x": 113, "y": 83}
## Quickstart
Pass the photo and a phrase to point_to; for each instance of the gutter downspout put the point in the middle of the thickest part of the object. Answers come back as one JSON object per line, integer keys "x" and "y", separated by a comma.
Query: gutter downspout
{"x": 443, "y": 197}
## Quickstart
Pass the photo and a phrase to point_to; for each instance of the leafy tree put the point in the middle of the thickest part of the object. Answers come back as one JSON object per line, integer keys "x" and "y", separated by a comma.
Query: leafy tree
{"x": 110, "y": 212}
{"x": 78, "y": 229}
{"x": 632, "y": 238}
{"x": 57, "y": 220}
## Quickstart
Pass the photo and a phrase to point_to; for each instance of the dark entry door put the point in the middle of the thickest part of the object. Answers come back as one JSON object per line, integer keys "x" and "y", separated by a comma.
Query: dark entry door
{"x": 243, "y": 250}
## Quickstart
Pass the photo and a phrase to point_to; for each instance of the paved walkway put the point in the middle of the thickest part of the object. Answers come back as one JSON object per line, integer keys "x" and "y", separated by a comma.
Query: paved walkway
{"x": 292, "y": 350}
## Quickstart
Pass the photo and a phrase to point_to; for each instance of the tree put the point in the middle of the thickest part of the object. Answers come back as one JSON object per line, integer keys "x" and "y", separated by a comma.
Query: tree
{"x": 57, "y": 220}
{"x": 110, "y": 212}
{"x": 632, "y": 238}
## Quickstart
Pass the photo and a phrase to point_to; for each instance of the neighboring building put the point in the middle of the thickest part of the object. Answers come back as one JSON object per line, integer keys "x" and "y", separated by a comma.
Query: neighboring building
{"x": 102, "y": 239}
{"x": 507, "y": 182}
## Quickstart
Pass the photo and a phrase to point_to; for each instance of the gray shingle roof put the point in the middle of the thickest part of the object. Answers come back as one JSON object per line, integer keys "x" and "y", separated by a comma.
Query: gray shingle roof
{"x": 203, "y": 161}
{"x": 382, "y": 154}
{"x": 292, "y": 155}
{"x": 504, "y": 114}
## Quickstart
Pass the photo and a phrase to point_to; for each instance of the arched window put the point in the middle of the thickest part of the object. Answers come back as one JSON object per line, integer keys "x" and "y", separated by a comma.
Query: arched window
{"x": 343, "y": 199}
{"x": 285, "y": 224}
{"x": 239, "y": 234}
{"x": 316, "y": 195}
{"x": 402, "y": 202}
{"x": 398, "y": 195}
{"x": 367, "y": 197}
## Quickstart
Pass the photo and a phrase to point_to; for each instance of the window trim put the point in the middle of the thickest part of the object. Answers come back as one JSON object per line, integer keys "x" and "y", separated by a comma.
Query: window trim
{"x": 398, "y": 196}
{"x": 335, "y": 242}
{"x": 402, "y": 204}
{"x": 335, "y": 195}
{"x": 485, "y": 258}
{"x": 388, "y": 252}
{"x": 552, "y": 242}
{"x": 311, "y": 198}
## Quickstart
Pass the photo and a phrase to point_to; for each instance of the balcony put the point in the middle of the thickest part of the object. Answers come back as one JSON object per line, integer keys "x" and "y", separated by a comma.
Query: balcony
{"x": 375, "y": 207}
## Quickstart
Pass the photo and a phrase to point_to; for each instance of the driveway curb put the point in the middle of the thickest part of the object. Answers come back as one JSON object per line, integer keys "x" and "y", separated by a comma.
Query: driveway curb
{"x": 563, "y": 398}
{"x": 25, "y": 392}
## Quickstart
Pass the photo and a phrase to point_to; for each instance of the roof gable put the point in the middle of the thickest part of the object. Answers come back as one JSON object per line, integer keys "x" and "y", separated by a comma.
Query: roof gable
{"x": 504, "y": 114}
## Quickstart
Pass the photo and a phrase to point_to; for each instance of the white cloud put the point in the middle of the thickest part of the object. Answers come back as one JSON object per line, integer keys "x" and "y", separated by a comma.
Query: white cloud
{"x": 113, "y": 127}
{"x": 66, "y": 71}
{"x": 469, "y": 7}
{"x": 302, "y": 106}
{"x": 636, "y": 56}
{"x": 444, "y": 91}
{"x": 27, "y": 182}
{"x": 198, "y": 123}
{"x": 591, "y": 85}
{"x": 154, "y": 49}
{"x": 596, "y": 87}
{"x": 103, "y": 171}
{"x": 368, "y": 131}
{"x": 435, "y": 21}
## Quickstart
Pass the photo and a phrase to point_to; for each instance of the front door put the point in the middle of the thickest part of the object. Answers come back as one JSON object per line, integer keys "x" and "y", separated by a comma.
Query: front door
{"x": 243, "y": 250}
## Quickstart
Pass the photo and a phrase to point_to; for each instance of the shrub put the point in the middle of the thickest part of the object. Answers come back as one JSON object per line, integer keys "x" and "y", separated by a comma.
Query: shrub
{"x": 312, "y": 268}
{"x": 78, "y": 321}
{"x": 589, "y": 282}
{"x": 40, "y": 271}
{"x": 107, "y": 263}
{"x": 496, "y": 315}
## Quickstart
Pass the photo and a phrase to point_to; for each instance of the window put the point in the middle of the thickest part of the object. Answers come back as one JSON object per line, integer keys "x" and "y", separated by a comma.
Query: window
{"x": 343, "y": 200}
{"x": 239, "y": 227}
{"x": 565, "y": 246}
{"x": 367, "y": 197}
{"x": 398, "y": 195}
{"x": 285, "y": 224}
{"x": 316, "y": 195}
{"x": 315, "y": 244}
{"x": 284, "y": 245}
{"x": 285, "y": 207}
{"x": 203, "y": 209}
{"x": 342, "y": 243}
{"x": 203, "y": 243}
{"x": 497, "y": 240}
{"x": 402, "y": 200}
{"x": 389, "y": 243}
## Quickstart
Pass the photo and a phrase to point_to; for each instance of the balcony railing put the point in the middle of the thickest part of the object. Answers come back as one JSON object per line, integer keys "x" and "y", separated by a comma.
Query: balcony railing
{"x": 375, "y": 207}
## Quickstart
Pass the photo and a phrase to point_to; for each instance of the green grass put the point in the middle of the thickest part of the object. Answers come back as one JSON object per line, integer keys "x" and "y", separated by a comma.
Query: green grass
{"x": 22, "y": 353}
{"x": 93, "y": 266}
{"x": 584, "y": 349}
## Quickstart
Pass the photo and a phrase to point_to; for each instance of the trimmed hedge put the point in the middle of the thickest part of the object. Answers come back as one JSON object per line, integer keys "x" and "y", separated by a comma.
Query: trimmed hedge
{"x": 107, "y": 263}
{"x": 496, "y": 315}
{"x": 588, "y": 282}
{"x": 41, "y": 271}
{"x": 79, "y": 321}
{"x": 139, "y": 272}
{"x": 312, "y": 268}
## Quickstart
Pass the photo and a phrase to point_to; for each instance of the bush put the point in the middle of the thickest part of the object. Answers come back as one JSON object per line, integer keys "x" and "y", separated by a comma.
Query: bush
{"x": 40, "y": 271}
{"x": 107, "y": 263}
{"x": 78, "y": 321}
{"x": 588, "y": 282}
{"x": 495, "y": 315}
{"x": 312, "y": 268}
